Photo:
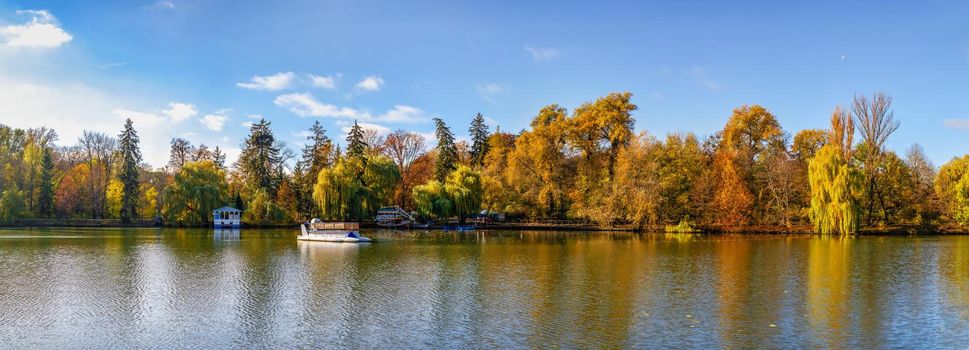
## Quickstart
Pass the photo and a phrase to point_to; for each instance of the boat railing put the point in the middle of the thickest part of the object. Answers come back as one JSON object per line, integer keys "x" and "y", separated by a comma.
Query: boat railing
{"x": 336, "y": 226}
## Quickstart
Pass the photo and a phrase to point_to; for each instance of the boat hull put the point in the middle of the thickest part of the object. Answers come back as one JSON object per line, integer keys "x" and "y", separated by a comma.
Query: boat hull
{"x": 333, "y": 238}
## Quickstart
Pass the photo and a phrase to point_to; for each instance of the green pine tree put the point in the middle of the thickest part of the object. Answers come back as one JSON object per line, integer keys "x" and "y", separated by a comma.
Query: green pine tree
{"x": 130, "y": 158}
{"x": 260, "y": 159}
{"x": 45, "y": 202}
{"x": 447, "y": 153}
{"x": 479, "y": 140}
{"x": 356, "y": 146}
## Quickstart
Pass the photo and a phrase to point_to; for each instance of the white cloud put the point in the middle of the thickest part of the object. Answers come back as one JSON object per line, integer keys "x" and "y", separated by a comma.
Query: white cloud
{"x": 247, "y": 124}
{"x": 42, "y": 31}
{"x": 326, "y": 81}
{"x": 380, "y": 129}
{"x": 142, "y": 119}
{"x": 180, "y": 111}
{"x": 72, "y": 107}
{"x": 273, "y": 82}
{"x": 306, "y": 105}
{"x": 403, "y": 114}
{"x": 542, "y": 54}
{"x": 956, "y": 123}
{"x": 215, "y": 121}
{"x": 370, "y": 83}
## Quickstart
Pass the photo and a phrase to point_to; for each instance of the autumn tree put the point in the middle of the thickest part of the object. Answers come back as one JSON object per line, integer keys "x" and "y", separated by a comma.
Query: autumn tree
{"x": 499, "y": 193}
{"x": 636, "y": 192}
{"x": 99, "y": 152}
{"x": 181, "y": 153}
{"x": 835, "y": 181}
{"x": 202, "y": 152}
{"x": 405, "y": 149}
{"x": 952, "y": 188}
{"x": 876, "y": 122}
{"x": 538, "y": 167}
{"x": 807, "y": 143}
{"x": 130, "y": 158}
{"x": 680, "y": 163}
{"x": 923, "y": 202}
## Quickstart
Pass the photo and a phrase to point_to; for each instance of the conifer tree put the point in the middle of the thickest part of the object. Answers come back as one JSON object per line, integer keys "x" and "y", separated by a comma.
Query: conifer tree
{"x": 479, "y": 140}
{"x": 318, "y": 153}
{"x": 130, "y": 158}
{"x": 218, "y": 157}
{"x": 260, "y": 159}
{"x": 45, "y": 201}
{"x": 447, "y": 153}
{"x": 356, "y": 146}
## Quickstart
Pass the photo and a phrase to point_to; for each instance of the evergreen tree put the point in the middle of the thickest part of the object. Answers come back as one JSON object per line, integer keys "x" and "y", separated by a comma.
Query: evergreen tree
{"x": 218, "y": 157}
{"x": 447, "y": 153}
{"x": 260, "y": 159}
{"x": 45, "y": 202}
{"x": 317, "y": 154}
{"x": 130, "y": 158}
{"x": 356, "y": 146}
{"x": 479, "y": 140}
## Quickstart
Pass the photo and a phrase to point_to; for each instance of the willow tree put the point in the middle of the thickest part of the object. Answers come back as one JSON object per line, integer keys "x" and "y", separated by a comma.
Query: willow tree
{"x": 463, "y": 187}
{"x": 355, "y": 189}
{"x": 460, "y": 195}
{"x": 952, "y": 188}
{"x": 431, "y": 200}
{"x": 834, "y": 181}
{"x": 198, "y": 189}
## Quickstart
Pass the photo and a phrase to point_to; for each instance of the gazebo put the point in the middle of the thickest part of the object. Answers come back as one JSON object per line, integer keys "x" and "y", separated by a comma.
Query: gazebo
{"x": 227, "y": 217}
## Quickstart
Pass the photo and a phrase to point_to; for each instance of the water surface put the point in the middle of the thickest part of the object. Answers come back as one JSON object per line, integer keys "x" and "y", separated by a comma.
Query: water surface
{"x": 140, "y": 288}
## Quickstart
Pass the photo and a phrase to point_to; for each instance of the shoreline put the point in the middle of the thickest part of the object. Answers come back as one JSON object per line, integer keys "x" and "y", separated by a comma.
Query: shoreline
{"x": 899, "y": 230}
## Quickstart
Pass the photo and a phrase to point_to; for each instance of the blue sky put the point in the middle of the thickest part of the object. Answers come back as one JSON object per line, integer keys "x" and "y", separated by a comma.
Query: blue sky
{"x": 202, "y": 69}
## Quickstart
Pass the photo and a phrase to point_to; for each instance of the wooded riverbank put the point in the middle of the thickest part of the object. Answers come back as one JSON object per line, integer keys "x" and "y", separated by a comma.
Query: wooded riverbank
{"x": 901, "y": 230}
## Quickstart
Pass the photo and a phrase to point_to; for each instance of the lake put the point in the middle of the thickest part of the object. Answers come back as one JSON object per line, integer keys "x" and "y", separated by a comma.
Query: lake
{"x": 193, "y": 288}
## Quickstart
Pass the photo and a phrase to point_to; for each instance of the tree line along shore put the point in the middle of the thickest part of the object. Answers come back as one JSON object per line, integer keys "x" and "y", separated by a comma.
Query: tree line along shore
{"x": 588, "y": 165}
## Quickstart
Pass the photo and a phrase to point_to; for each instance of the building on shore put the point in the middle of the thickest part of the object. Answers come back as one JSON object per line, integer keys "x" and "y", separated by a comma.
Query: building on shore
{"x": 227, "y": 217}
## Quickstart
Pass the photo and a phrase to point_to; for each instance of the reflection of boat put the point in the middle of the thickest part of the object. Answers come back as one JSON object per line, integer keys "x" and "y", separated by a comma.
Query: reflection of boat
{"x": 393, "y": 217}
{"x": 348, "y": 232}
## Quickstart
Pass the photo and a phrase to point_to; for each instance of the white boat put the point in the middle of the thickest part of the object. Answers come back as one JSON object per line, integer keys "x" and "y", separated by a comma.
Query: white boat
{"x": 393, "y": 217}
{"x": 346, "y": 232}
